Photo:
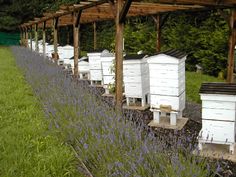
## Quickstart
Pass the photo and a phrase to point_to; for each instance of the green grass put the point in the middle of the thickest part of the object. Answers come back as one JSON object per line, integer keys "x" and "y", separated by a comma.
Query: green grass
{"x": 27, "y": 147}
{"x": 193, "y": 84}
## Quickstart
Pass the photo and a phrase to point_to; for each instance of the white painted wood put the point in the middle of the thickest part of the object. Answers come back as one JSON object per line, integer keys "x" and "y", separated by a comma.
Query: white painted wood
{"x": 167, "y": 81}
{"x": 171, "y": 91}
{"x": 218, "y": 97}
{"x": 96, "y": 75}
{"x": 219, "y": 104}
{"x": 107, "y": 62}
{"x": 136, "y": 79}
{"x": 164, "y": 59}
{"x": 176, "y": 103}
{"x": 95, "y": 66}
{"x": 219, "y": 114}
{"x": 218, "y": 131}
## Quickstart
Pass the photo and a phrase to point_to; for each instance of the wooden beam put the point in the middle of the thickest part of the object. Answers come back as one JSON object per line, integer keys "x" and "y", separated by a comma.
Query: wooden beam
{"x": 124, "y": 11}
{"x": 55, "y": 38}
{"x": 76, "y": 29}
{"x": 230, "y": 69}
{"x": 36, "y": 38}
{"x": 94, "y": 36}
{"x": 224, "y": 3}
{"x": 119, "y": 57}
{"x": 112, "y": 7}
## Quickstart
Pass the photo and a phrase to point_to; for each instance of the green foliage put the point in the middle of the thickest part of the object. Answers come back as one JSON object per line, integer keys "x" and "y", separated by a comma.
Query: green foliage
{"x": 27, "y": 147}
{"x": 203, "y": 36}
{"x": 140, "y": 35}
{"x": 194, "y": 82}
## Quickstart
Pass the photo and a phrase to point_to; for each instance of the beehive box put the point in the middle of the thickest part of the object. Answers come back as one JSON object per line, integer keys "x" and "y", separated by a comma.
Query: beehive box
{"x": 108, "y": 75}
{"x": 95, "y": 66}
{"x": 167, "y": 80}
{"x": 66, "y": 52}
{"x": 136, "y": 78}
{"x": 218, "y": 114}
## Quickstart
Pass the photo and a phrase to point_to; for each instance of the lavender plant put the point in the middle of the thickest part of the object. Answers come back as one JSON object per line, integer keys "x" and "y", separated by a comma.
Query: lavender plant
{"x": 108, "y": 142}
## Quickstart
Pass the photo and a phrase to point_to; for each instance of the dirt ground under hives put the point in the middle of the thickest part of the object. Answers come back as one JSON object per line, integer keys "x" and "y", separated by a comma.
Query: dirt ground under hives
{"x": 192, "y": 127}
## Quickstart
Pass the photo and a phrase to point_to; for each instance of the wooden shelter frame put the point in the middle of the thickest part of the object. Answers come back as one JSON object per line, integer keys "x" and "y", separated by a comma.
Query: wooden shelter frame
{"x": 92, "y": 11}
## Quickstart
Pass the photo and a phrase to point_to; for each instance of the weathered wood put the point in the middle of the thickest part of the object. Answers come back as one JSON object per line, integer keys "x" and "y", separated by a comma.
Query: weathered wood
{"x": 94, "y": 36}
{"x": 31, "y": 40}
{"x": 76, "y": 28}
{"x": 230, "y": 69}
{"x": 119, "y": 57}
{"x": 55, "y": 39}
{"x": 124, "y": 11}
{"x": 26, "y": 37}
{"x": 44, "y": 39}
{"x": 36, "y": 38}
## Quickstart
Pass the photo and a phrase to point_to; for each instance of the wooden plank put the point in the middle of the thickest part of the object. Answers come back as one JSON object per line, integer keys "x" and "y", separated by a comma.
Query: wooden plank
{"x": 226, "y": 3}
{"x": 230, "y": 68}
{"x": 119, "y": 57}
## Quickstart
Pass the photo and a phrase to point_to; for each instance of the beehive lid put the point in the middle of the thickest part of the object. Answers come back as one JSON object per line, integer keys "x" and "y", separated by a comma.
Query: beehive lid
{"x": 174, "y": 53}
{"x": 218, "y": 88}
{"x": 106, "y": 53}
{"x": 135, "y": 56}
{"x": 170, "y": 56}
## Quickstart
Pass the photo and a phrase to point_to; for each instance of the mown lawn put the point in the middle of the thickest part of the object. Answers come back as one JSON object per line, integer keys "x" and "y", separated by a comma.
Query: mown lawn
{"x": 27, "y": 147}
{"x": 194, "y": 82}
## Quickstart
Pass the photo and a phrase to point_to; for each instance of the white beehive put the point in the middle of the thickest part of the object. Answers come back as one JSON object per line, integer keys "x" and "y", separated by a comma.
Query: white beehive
{"x": 83, "y": 65}
{"x": 136, "y": 78}
{"x": 218, "y": 114}
{"x": 108, "y": 76}
{"x": 95, "y": 67}
{"x": 66, "y": 52}
{"x": 49, "y": 50}
{"x": 167, "y": 83}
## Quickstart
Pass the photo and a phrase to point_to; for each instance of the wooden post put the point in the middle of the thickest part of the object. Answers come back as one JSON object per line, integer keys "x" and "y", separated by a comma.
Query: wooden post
{"x": 94, "y": 36}
{"x": 26, "y": 37}
{"x": 158, "y": 28}
{"x": 76, "y": 31}
{"x": 31, "y": 44}
{"x": 119, "y": 57}
{"x": 36, "y": 38}
{"x": 20, "y": 35}
{"x": 55, "y": 42}
{"x": 230, "y": 69}
{"x": 44, "y": 39}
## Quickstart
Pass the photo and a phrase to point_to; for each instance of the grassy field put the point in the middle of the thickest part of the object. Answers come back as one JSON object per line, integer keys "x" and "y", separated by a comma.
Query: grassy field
{"x": 193, "y": 84}
{"x": 27, "y": 147}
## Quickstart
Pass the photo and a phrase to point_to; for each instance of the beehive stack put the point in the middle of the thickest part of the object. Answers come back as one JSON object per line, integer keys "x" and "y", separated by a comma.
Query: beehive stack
{"x": 136, "y": 78}
{"x": 218, "y": 114}
{"x": 167, "y": 84}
